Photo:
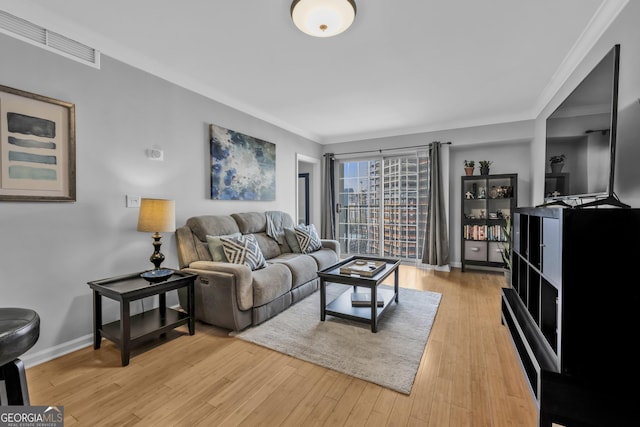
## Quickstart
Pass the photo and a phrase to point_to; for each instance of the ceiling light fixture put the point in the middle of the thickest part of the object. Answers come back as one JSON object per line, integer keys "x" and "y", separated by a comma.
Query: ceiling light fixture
{"x": 323, "y": 18}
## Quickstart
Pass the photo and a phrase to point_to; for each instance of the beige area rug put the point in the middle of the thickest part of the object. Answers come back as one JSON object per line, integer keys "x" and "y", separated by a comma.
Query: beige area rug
{"x": 390, "y": 357}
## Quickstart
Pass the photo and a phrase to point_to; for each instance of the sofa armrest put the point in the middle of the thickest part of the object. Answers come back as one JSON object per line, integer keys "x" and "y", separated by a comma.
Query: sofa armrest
{"x": 241, "y": 275}
{"x": 223, "y": 292}
{"x": 334, "y": 245}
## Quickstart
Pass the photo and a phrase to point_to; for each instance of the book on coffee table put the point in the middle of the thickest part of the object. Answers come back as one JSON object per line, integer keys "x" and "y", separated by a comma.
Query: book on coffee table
{"x": 361, "y": 267}
{"x": 363, "y": 299}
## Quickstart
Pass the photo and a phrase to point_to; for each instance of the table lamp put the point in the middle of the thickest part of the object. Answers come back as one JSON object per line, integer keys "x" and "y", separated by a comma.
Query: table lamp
{"x": 156, "y": 216}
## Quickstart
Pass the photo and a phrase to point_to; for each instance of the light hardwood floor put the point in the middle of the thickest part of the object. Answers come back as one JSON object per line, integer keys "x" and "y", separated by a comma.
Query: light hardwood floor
{"x": 469, "y": 376}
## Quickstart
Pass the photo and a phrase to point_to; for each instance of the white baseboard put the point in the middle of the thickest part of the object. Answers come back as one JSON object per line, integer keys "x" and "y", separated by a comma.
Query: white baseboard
{"x": 54, "y": 352}
{"x": 445, "y": 268}
{"x": 51, "y": 353}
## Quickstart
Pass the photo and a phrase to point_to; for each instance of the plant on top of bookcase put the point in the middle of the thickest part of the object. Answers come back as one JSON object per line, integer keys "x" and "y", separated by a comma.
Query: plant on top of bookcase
{"x": 484, "y": 166}
{"x": 557, "y": 162}
{"x": 469, "y": 165}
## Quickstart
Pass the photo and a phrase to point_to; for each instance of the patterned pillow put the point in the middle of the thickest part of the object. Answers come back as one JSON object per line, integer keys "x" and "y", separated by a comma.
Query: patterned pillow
{"x": 243, "y": 250}
{"x": 307, "y": 238}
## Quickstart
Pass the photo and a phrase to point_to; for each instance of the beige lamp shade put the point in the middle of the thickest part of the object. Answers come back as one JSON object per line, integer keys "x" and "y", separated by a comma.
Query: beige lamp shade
{"x": 157, "y": 215}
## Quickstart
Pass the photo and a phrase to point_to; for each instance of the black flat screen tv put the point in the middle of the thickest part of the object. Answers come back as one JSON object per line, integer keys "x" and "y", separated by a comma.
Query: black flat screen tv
{"x": 582, "y": 130}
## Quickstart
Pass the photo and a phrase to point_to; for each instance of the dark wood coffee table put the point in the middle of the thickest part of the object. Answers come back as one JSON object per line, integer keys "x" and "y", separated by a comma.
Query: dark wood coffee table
{"x": 341, "y": 306}
{"x": 131, "y": 330}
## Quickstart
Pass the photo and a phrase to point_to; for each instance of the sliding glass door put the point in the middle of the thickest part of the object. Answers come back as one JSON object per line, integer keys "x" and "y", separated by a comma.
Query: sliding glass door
{"x": 359, "y": 206}
{"x": 382, "y": 206}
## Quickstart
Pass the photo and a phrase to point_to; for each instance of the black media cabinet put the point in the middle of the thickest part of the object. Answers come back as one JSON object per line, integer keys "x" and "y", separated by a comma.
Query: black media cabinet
{"x": 573, "y": 312}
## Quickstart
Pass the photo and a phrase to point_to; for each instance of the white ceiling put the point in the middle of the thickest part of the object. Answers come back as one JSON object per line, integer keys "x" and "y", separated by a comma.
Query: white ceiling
{"x": 405, "y": 66}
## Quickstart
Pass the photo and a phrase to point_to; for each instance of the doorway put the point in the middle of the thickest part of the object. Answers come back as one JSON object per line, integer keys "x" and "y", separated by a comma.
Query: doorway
{"x": 307, "y": 203}
{"x": 303, "y": 198}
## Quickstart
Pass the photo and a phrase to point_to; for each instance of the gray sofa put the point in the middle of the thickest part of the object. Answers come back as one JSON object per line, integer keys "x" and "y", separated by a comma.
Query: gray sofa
{"x": 233, "y": 296}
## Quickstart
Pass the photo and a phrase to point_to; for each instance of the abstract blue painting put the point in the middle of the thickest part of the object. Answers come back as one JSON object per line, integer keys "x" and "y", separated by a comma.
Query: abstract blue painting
{"x": 242, "y": 167}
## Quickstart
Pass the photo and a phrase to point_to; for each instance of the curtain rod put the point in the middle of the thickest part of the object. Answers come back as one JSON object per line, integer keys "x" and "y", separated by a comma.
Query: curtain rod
{"x": 385, "y": 149}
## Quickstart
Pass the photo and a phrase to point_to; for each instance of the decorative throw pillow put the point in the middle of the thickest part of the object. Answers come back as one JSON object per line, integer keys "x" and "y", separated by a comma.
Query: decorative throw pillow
{"x": 292, "y": 239}
{"x": 243, "y": 250}
{"x": 215, "y": 246}
{"x": 307, "y": 238}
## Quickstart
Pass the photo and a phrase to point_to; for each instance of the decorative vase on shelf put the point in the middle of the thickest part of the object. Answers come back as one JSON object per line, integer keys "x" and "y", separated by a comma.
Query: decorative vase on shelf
{"x": 556, "y": 163}
{"x": 468, "y": 170}
{"x": 556, "y": 167}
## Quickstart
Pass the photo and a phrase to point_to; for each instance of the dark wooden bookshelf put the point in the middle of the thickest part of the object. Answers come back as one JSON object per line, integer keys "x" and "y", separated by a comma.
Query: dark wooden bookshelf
{"x": 486, "y": 202}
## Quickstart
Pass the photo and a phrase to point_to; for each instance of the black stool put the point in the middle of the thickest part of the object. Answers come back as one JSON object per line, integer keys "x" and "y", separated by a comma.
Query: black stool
{"x": 19, "y": 331}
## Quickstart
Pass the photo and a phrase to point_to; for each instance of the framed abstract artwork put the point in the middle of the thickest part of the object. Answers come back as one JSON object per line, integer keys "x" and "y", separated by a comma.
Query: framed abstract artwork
{"x": 242, "y": 167}
{"x": 37, "y": 147}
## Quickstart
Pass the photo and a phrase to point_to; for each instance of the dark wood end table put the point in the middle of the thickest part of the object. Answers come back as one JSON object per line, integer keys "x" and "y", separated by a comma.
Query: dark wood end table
{"x": 342, "y": 307}
{"x": 130, "y": 330}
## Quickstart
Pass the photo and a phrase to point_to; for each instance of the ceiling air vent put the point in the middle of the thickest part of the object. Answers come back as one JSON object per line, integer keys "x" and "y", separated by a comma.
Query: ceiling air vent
{"x": 54, "y": 42}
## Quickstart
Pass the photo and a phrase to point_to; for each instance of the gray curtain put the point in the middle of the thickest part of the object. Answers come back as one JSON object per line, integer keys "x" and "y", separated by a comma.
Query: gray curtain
{"x": 436, "y": 239}
{"x": 328, "y": 224}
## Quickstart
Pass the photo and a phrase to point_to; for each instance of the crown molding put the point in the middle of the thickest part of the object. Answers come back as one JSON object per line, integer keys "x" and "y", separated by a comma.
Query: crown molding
{"x": 599, "y": 23}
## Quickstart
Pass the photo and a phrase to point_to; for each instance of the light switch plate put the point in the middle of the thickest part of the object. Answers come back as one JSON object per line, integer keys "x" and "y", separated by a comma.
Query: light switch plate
{"x": 133, "y": 201}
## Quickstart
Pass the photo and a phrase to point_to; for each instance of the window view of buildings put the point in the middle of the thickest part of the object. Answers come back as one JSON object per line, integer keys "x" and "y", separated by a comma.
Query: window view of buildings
{"x": 383, "y": 206}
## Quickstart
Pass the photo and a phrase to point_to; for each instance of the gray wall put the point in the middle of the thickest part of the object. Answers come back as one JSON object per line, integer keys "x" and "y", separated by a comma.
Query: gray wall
{"x": 50, "y": 250}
